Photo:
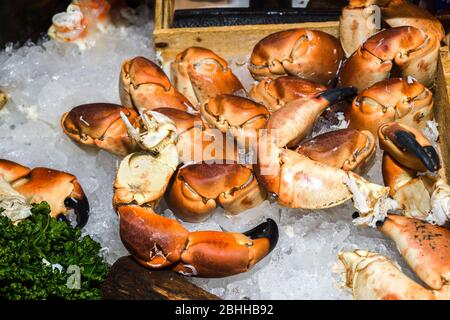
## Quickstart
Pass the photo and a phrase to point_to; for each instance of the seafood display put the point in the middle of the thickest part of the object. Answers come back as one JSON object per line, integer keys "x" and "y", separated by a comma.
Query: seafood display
{"x": 195, "y": 140}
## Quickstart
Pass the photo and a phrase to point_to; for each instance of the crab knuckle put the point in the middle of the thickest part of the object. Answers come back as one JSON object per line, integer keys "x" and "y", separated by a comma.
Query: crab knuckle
{"x": 194, "y": 70}
{"x": 291, "y": 53}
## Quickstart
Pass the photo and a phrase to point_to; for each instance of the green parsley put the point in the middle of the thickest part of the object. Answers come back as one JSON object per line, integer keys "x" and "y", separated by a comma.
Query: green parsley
{"x": 29, "y": 249}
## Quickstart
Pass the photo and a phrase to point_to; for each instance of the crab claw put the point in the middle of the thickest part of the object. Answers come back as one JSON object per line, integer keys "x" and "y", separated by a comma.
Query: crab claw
{"x": 372, "y": 276}
{"x": 200, "y": 74}
{"x": 157, "y": 242}
{"x": 276, "y": 93}
{"x": 425, "y": 247}
{"x": 144, "y": 86}
{"x": 214, "y": 254}
{"x": 267, "y": 230}
{"x": 347, "y": 149}
{"x": 192, "y": 198}
{"x": 100, "y": 125}
{"x": 80, "y": 208}
{"x": 154, "y": 132}
{"x": 60, "y": 189}
{"x": 293, "y": 52}
{"x": 409, "y": 147}
{"x": 338, "y": 94}
{"x": 69, "y": 26}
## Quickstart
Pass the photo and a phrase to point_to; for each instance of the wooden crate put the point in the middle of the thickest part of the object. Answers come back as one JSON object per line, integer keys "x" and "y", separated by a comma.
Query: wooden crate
{"x": 226, "y": 41}
{"x": 233, "y": 41}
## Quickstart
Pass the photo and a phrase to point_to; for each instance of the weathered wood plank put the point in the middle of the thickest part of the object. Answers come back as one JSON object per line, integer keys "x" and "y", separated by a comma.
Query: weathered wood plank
{"x": 229, "y": 41}
{"x": 442, "y": 107}
{"x": 128, "y": 280}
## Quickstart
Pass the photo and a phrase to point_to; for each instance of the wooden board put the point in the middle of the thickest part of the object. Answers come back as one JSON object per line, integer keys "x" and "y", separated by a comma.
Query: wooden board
{"x": 442, "y": 107}
{"x": 226, "y": 41}
{"x": 128, "y": 280}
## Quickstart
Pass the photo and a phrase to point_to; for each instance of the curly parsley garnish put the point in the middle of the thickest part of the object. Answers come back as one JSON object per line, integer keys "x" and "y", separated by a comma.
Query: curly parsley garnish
{"x": 42, "y": 258}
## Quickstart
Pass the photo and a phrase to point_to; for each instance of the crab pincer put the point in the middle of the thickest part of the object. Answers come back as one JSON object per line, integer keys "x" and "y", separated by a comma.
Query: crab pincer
{"x": 60, "y": 189}
{"x": 409, "y": 147}
{"x": 159, "y": 242}
{"x": 426, "y": 249}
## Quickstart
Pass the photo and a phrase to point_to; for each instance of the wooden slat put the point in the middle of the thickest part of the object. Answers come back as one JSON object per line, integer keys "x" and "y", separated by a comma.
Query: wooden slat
{"x": 157, "y": 21}
{"x": 128, "y": 280}
{"x": 229, "y": 41}
{"x": 442, "y": 107}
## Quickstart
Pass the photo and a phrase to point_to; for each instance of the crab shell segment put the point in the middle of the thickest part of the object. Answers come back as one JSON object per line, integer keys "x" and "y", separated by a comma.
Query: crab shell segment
{"x": 359, "y": 20}
{"x": 142, "y": 178}
{"x": 237, "y": 115}
{"x": 276, "y": 93}
{"x": 395, "y": 99}
{"x": 69, "y": 26}
{"x": 144, "y": 86}
{"x": 425, "y": 247}
{"x": 347, "y": 149}
{"x": 293, "y": 52}
{"x": 197, "y": 189}
{"x": 154, "y": 133}
{"x": 423, "y": 197}
{"x": 100, "y": 125}
{"x": 356, "y": 25}
{"x": 157, "y": 242}
{"x": 200, "y": 74}
{"x": 408, "y": 48}
{"x": 96, "y": 12}
{"x": 409, "y": 147}
{"x": 372, "y": 276}
{"x": 60, "y": 189}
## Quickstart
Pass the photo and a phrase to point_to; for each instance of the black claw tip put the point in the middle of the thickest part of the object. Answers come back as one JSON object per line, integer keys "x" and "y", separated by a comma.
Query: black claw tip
{"x": 355, "y": 215}
{"x": 427, "y": 155}
{"x": 62, "y": 218}
{"x": 81, "y": 209}
{"x": 379, "y": 224}
{"x": 268, "y": 229}
{"x": 338, "y": 94}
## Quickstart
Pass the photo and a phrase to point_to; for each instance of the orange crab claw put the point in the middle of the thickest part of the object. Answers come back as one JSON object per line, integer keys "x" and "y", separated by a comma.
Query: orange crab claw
{"x": 240, "y": 116}
{"x": 60, "y": 189}
{"x": 293, "y": 52}
{"x": 372, "y": 276}
{"x": 144, "y": 86}
{"x": 276, "y": 93}
{"x": 359, "y": 20}
{"x": 153, "y": 240}
{"x": 213, "y": 254}
{"x": 425, "y": 247}
{"x": 409, "y": 48}
{"x": 408, "y": 146}
{"x": 200, "y": 74}
{"x": 347, "y": 149}
{"x": 197, "y": 189}
{"x": 157, "y": 242}
{"x": 100, "y": 125}
{"x": 395, "y": 99}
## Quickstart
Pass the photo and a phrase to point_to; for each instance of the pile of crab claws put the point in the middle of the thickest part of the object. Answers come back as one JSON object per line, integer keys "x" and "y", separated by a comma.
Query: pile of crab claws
{"x": 80, "y": 208}
{"x": 266, "y": 230}
{"x": 338, "y": 94}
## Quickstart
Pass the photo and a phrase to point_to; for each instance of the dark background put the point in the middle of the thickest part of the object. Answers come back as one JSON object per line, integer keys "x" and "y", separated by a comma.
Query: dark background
{"x": 21, "y": 20}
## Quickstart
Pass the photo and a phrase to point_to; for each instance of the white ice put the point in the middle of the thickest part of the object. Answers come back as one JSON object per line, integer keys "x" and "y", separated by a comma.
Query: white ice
{"x": 47, "y": 79}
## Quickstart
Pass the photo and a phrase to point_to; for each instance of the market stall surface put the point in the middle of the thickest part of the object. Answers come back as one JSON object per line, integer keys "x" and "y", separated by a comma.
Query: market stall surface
{"x": 46, "y": 79}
